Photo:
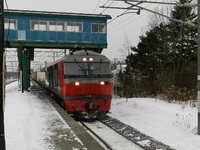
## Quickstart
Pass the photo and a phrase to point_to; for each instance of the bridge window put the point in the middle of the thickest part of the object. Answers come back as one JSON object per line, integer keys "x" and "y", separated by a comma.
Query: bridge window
{"x": 34, "y": 25}
{"x": 77, "y": 27}
{"x": 56, "y": 26}
{"x": 52, "y": 26}
{"x": 43, "y": 25}
{"x": 39, "y": 25}
{"x": 10, "y": 24}
{"x": 74, "y": 27}
{"x": 98, "y": 28}
{"x": 60, "y": 26}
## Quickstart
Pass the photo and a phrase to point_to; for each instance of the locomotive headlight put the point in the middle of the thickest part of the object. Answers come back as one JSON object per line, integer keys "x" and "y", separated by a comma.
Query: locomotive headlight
{"x": 91, "y": 59}
{"x": 84, "y": 59}
{"x": 77, "y": 83}
{"x": 102, "y": 83}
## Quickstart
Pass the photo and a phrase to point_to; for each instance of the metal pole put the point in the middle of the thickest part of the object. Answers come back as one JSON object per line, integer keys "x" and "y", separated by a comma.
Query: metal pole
{"x": 2, "y": 136}
{"x": 198, "y": 67}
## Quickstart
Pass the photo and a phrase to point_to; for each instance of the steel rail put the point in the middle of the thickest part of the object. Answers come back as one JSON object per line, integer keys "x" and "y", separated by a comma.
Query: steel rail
{"x": 104, "y": 142}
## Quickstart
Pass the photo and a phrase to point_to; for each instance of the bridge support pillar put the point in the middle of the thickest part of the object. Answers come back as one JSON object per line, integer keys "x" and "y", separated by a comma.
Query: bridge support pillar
{"x": 25, "y": 72}
{"x": 24, "y": 65}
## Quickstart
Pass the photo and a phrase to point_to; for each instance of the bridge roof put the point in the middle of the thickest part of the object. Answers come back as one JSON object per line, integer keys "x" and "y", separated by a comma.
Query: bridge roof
{"x": 57, "y": 14}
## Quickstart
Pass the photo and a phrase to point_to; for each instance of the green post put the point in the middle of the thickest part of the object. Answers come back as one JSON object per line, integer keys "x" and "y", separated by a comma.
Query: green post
{"x": 25, "y": 72}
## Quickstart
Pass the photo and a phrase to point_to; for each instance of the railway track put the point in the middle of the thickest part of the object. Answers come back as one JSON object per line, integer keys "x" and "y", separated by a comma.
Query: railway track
{"x": 109, "y": 138}
{"x": 105, "y": 144}
{"x": 144, "y": 141}
{"x": 140, "y": 140}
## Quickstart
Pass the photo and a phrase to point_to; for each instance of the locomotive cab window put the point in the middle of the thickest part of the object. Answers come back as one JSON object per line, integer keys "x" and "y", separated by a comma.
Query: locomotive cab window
{"x": 75, "y": 69}
{"x": 100, "y": 68}
{"x": 87, "y": 69}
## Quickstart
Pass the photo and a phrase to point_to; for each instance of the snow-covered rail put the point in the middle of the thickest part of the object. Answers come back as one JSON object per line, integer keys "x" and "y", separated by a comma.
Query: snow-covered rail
{"x": 97, "y": 136}
{"x": 109, "y": 138}
{"x": 144, "y": 141}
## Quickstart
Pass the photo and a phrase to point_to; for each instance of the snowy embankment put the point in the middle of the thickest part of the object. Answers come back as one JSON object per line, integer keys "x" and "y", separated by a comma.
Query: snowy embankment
{"x": 172, "y": 124}
{"x": 27, "y": 121}
{"x": 32, "y": 123}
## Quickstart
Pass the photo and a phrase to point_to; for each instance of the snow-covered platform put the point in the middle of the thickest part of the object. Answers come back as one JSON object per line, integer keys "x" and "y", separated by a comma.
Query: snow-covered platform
{"x": 34, "y": 121}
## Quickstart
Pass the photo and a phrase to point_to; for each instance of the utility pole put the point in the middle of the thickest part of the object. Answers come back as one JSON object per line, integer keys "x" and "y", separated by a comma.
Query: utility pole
{"x": 2, "y": 135}
{"x": 198, "y": 67}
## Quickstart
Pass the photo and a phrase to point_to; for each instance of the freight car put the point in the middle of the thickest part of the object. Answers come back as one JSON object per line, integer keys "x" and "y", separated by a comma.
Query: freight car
{"x": 39, "y": 76}
{"x": 82, "y": 83}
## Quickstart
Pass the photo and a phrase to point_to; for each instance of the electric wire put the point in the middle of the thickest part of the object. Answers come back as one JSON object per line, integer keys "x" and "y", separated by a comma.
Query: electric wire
{"x": 118, "y": 17}
{"x": 104, "y": 5}
{"x": 108, "y": 6}
{"x": 106, "y": 23}
{"x": 124, "y": 21}
{"x": 96, "y": 6}
{"x": 113, "y": 6}
{"x": 89, "y": 22}
{"x": 93, "y": 21}
{"x": 125, "y": 24}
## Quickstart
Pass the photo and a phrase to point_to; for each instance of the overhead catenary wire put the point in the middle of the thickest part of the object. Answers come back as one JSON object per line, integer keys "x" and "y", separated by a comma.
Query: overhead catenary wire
{"x": 108, "y": 5}
{"x": 112, "y": 19}
{"x": 152, "y": 2}
{"x": 94, "y": 20}
{"x": 144, "y": 8}
{"x": 126, "y": 24}
{"x": 124, "y": 21}
{"x": 97, "y": 6}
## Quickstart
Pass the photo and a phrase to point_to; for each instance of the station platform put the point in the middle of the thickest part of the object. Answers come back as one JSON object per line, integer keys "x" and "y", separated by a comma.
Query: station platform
{"x": 33, "y": 120}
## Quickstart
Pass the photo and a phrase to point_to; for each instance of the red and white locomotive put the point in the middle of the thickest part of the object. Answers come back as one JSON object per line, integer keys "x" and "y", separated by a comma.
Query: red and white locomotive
{"x": 82, "y": 83}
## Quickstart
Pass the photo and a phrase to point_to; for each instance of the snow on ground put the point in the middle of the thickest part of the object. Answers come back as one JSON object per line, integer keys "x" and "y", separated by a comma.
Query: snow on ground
{"x": 172, "y": 124}
{"x": 30, "y": 123}
{"x": 27, "y": 122}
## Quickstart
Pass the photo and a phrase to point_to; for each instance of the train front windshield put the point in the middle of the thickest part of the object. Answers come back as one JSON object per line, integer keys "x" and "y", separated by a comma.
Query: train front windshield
{"x": 87, "y": 69}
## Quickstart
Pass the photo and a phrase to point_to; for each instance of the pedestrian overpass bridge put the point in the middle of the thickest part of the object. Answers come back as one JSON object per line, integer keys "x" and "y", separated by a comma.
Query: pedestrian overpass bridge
{"x": 27, "y": 30}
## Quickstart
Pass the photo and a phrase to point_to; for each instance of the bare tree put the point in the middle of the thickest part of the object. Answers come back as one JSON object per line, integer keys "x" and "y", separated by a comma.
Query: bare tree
{"x": 126, "y": 47}
{"x": 155, "y": 19}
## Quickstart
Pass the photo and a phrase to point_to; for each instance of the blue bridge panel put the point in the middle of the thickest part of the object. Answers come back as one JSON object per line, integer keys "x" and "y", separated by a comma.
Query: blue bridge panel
{"x": 56, "y": 27}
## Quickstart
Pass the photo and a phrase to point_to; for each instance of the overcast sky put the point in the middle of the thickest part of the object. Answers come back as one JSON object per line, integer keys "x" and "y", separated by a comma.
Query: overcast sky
{"x": 129, "y": 26}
